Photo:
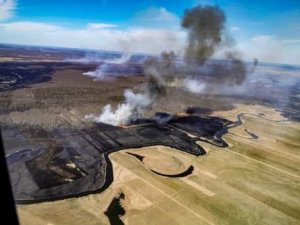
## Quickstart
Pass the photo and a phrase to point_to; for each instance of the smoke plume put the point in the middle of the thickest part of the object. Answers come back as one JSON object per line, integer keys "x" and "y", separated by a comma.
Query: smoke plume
{"x": 101, "y": 72}
{"x": 88, "y": 58}
{"x": 194, "y": 86}
{"x": 197, "y": 72}
{"x": 131, "y": 109}
{"x": 206, "y": 35}
{"x": 204, "y": 26}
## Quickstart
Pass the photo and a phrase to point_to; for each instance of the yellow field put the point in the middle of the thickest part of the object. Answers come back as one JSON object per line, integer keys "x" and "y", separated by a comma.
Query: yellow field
{"x": 253, "y": 181}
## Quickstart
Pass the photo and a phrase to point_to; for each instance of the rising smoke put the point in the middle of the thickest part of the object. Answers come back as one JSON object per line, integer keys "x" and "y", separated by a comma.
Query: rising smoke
{"x": 101, "y": 72}
{"x": 88, "y": 58}
{"x": 197, "y": 72}
{"x": 206, "y": 35}
{"x": 131, "y": 109}
{"x": 205, "y": 26}
{"x": 158, "y": 72}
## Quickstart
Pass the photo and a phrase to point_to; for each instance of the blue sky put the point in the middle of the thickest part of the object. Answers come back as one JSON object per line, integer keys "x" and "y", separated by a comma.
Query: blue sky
{"x": 267, "y": 30}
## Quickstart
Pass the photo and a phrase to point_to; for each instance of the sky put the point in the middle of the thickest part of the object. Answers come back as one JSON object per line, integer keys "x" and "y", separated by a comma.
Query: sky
{"x": 266, "y": 30}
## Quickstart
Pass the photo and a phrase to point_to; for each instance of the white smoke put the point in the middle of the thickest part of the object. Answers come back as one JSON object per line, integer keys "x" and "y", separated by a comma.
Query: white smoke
{"x": 101, "y": 72}
{"x": 205, "y": 26}
{"x": 194, "y": 86}
{"x": 87, "y": 59}
{"x": 134, "y": 104}
{"x": 125, "y": 57}
{"x": 131, "y": 109}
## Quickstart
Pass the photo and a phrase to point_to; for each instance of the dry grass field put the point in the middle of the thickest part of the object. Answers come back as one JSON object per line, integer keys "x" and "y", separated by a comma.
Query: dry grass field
{"x": 63, "y": 101}
{"x": 253, "y": 181}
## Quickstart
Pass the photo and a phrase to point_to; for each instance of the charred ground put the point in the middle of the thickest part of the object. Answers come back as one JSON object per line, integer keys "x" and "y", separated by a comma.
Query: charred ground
{"x": 60, "y": 163}
{"x": 50, "y": 157}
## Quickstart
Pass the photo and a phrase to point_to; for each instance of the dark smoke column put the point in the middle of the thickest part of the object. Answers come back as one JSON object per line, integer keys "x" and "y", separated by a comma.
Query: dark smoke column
{"x": 205, "y": 26}
{"x": 206, "y": 34}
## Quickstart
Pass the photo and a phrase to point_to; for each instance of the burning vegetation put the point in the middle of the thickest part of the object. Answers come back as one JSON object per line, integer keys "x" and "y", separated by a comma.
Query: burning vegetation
{"x": 196, "y": 72}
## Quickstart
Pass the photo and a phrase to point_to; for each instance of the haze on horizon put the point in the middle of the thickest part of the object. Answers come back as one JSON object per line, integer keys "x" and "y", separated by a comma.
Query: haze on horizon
{"x": 268, "y": 31}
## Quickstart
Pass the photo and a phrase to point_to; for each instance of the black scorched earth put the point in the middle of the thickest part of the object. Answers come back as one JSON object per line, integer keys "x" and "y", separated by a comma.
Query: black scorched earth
{"x": 59, "y": 163}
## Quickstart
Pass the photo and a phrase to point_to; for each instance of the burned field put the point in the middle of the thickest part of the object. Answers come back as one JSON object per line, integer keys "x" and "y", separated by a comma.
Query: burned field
{"x": 16, "y": 75}
{"x": 54, "y": 152}
{"x": 60, "y": 163}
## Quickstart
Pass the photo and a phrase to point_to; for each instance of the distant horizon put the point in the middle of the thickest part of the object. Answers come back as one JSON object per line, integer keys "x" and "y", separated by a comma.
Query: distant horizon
{"x": 133, "y": 53}
{"x": 266, "y": 30}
